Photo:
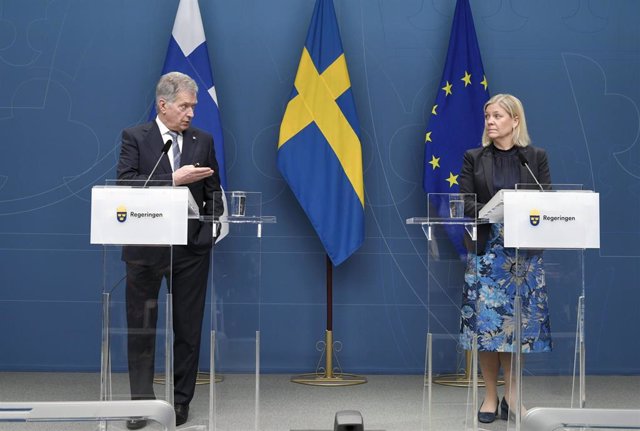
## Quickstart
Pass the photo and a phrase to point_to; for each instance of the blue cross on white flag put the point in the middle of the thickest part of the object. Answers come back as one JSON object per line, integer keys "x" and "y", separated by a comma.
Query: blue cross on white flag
{"x": 187, "y": 53}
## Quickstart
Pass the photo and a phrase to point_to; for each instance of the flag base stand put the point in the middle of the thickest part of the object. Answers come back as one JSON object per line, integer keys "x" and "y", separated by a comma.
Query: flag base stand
{"x": 325, "y": 376}
{"x": 201, "y": 379}
{"x": 461, "y": 380}
{"x": 205, "y": 378}
{"x": 329, "y": 379}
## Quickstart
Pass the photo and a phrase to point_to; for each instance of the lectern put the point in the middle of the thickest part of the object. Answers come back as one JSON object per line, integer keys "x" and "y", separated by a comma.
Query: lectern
{"x": 134, "y": 214}
{"x": 157, "y": 216}
{"x": 447, "y": 360}
{"x": 559, "y": 220}
{"x": 562, "y": 220}
{"x": 235, "y": 310}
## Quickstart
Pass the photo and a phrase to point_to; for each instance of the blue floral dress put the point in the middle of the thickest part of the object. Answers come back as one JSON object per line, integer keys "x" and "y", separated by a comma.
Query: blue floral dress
{"x": 488, "y": 298}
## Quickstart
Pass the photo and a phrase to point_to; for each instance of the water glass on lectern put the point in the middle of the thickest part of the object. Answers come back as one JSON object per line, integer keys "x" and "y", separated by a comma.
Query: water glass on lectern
{"x": 238, "y": 203}
{"x": 456, "y": 205}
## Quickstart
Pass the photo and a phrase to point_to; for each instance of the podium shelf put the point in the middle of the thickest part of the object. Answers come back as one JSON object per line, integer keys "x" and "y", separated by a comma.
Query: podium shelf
{"x": 465, "y": 221}
{"x": 240, "y": 219}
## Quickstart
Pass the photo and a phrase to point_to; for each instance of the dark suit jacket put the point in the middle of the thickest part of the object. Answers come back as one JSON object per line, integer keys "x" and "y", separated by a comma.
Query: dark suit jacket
{"x": 141, "y": 148}
{"x": 477, "y": 177}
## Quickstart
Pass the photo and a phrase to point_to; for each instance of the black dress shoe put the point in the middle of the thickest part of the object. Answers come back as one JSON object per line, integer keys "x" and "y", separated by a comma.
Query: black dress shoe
{"x": 488, "y": 417}
{"x": 504, "y": 409}
{"x": 182, "y": 413}
{"x": 136, "y": 424}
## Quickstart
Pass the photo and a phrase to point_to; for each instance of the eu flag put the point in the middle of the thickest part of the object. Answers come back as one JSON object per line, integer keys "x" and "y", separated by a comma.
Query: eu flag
{"x": 319, "y": 150}
{"x": 457, "y": 117}
{"x": 187, "y": 53}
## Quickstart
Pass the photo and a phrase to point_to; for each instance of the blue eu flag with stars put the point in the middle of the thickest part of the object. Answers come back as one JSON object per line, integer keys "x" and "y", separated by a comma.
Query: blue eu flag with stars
{"x": 457, "y": 117}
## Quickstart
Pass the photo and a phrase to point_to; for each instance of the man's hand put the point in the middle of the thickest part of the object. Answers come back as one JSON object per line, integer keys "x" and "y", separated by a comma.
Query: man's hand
{"x": 188, "y": 174}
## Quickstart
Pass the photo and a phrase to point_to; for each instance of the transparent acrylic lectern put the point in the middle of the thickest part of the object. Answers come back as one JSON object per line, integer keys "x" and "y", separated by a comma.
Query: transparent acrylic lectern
{"x": 234, "y": 319}
{"x": 126, "y": 216}
{"x": 549, "y": 227}
{"x": 450, "y": 228}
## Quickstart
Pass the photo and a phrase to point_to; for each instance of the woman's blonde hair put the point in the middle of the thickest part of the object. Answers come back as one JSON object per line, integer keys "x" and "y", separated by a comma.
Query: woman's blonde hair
{"x": 514, "y": 108}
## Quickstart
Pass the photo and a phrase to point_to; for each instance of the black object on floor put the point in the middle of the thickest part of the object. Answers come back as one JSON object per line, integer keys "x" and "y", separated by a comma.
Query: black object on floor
{"x": 348, "y": 420}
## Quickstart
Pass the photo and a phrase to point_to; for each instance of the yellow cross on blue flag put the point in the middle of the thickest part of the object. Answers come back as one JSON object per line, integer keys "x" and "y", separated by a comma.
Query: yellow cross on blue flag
{"x": 319, "y": 150}
{"x": 457, "y": 117}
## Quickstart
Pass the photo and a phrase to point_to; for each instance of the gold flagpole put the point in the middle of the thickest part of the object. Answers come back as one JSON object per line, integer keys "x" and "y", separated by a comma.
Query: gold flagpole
{"x": 326, "y": 376}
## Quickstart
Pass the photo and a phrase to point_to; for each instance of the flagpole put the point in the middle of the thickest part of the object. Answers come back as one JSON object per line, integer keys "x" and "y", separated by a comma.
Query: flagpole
{"x": 327, "y": 376}
{"x": 188, "y": 53}
{"x": 332, "y": 130}
{"x": 462, "y": 93}
{"x": 329, "y": 272}
{"x": 329, "y": 333}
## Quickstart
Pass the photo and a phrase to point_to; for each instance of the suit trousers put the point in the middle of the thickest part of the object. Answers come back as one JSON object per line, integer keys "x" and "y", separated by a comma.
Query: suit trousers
{"x": 187, "y": 278}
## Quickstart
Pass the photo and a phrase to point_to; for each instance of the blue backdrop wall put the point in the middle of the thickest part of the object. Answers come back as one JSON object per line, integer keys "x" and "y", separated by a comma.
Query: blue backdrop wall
{"x": 74, "y": 73}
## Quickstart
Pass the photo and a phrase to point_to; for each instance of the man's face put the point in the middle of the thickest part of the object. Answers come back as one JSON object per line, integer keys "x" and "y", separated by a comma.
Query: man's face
{"x": 177, "y": 115}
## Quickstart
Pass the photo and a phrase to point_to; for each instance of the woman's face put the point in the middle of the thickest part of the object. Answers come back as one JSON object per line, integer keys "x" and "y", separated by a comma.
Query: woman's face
{"x": 499, "y": 125}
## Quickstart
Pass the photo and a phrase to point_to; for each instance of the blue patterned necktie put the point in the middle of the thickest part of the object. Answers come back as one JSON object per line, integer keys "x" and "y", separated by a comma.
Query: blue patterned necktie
{"x": 175, "y": 151}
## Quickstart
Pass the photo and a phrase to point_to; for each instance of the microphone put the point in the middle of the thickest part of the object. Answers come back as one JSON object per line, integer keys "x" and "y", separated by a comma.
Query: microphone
{"x": 165, "y": 150}
{"x": 525, "y": 163}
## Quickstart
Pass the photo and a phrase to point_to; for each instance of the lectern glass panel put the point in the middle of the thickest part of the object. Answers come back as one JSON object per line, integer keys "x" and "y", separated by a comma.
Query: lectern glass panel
{"x": 552, "y": 227}
{"x": 231, "y": 356}
{"x": 553, "y": 364}
{"x": 148, "y": 219}
{"x": 137, "y": 351}
{"x": 450, "y": 229}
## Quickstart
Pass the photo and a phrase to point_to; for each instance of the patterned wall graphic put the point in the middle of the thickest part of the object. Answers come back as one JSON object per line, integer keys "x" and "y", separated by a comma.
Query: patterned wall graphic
{"x": 74, "y": 74}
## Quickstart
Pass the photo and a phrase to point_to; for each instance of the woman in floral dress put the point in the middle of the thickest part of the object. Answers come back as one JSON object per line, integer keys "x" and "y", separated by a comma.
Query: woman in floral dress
{"x": 493, "y": 275}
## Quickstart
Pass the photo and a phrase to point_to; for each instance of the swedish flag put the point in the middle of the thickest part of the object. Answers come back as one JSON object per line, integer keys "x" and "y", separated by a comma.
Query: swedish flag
{"x": 457, "y": 117}
{"x": 319, "y": 151}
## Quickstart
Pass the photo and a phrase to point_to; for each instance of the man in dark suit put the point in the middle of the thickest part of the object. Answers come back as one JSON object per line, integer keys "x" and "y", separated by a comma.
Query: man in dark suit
{"x": 190, "y": 162}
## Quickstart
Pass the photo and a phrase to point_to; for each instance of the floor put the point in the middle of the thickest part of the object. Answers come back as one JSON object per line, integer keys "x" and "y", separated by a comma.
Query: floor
{"x": 387, "y": 403}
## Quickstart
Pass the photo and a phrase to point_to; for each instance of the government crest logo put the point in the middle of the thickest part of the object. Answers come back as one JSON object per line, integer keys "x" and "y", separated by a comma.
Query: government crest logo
{"x": 121, "y": 214}
{"x": 534, "y": 217}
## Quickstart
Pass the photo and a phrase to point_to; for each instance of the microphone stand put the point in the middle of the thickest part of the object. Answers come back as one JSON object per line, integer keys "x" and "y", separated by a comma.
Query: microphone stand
{"x": 165, "y": 150}
{"x": 525, "y": 163}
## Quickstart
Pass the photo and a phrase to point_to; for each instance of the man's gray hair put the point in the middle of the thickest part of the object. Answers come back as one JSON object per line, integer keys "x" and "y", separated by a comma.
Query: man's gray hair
{"x": 172, "y": 83}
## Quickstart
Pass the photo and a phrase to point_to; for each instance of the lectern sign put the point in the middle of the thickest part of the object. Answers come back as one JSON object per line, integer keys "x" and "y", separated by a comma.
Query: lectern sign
{"x": 139, "y": 216}
{"x": 551, "y": 219}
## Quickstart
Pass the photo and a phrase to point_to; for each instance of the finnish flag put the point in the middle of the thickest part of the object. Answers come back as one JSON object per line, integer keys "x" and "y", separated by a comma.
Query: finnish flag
{"x": 187, "y": 53}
